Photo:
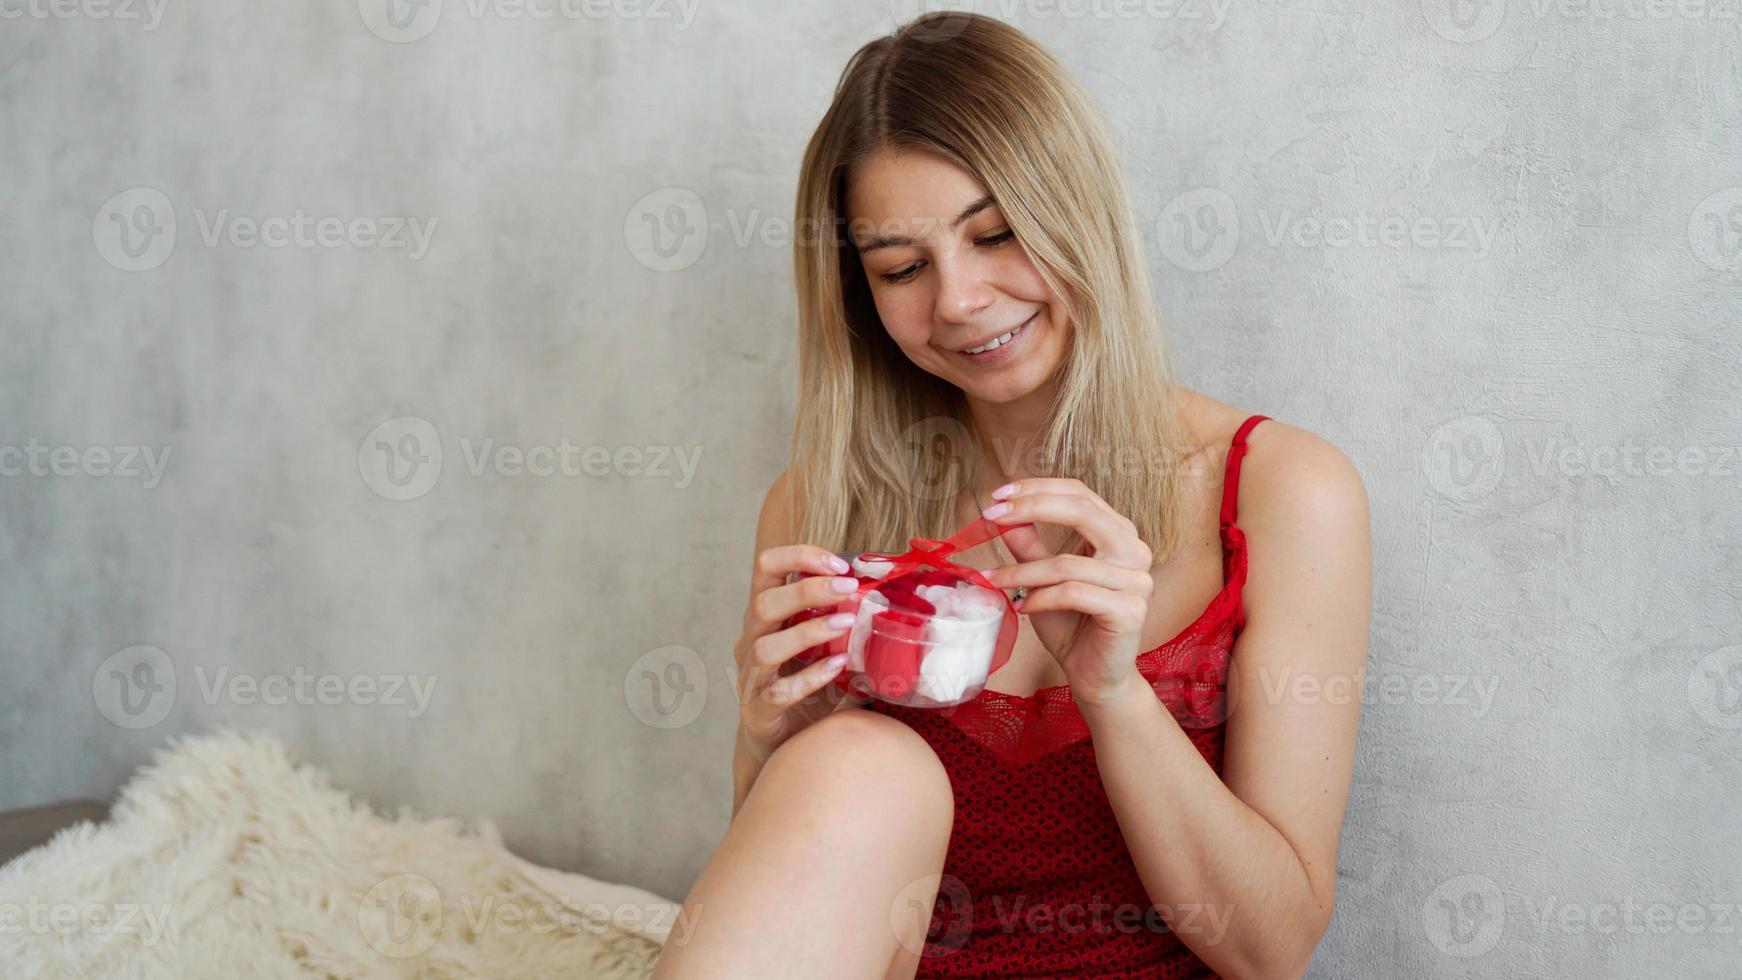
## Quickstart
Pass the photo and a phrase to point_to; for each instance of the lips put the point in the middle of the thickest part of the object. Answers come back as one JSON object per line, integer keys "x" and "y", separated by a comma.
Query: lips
{"x": 1003, "y": 351}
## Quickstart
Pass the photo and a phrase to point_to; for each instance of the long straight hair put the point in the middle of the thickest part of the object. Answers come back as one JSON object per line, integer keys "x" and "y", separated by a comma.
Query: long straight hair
{"x": 881, "y": 449}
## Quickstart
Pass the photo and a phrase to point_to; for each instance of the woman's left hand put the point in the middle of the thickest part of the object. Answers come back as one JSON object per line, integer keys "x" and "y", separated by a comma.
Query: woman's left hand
{"x": 1088, "y": 610}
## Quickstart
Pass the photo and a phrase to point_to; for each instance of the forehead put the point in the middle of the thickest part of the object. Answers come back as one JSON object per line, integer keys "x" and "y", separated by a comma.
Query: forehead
{"x": 909, "y": 186}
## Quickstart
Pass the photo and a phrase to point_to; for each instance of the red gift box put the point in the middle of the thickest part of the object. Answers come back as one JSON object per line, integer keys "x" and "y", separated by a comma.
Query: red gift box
{"x": 895, "y": 647}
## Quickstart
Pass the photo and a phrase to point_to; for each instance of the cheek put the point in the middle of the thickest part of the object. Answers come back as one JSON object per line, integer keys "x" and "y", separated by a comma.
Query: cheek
{"x": 1022, "y": 279}
{"x": 905, "y": 314}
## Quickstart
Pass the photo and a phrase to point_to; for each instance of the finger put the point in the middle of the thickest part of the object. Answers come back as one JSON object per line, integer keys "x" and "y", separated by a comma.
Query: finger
{"x": 770, "y": 651}
{"x": 772, "y": 566}
{"x": 793, "y": 688}
{"x": 771, "y": 607}
{"x": 1117, "y": 612}
{"x": 1099, "y": 525}
{"x": 1044, "y": 484}
{"x": 1067, "y": 568}
{"x": 1024, "y": 543}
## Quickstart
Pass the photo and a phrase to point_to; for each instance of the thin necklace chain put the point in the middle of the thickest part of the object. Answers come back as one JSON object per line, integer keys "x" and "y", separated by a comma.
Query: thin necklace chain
{"x": 998, "y": 549}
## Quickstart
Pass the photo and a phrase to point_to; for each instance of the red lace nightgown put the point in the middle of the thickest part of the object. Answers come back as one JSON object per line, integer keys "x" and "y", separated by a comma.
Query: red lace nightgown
{"x": 1038, "y": 881}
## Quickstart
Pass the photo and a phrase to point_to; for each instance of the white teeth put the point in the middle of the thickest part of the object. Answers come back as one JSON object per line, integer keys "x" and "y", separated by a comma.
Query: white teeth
{"x": 994, "y": 343}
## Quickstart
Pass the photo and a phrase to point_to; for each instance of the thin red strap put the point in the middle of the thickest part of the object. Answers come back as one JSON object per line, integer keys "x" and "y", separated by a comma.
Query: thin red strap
{"x": 1231, "y": 483}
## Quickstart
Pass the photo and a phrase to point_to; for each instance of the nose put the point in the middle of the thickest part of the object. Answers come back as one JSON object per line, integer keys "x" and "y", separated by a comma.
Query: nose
{"x": 963, "y": 292}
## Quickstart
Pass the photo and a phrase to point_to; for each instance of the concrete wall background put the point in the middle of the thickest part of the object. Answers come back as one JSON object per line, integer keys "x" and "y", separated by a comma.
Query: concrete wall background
{"x": 1484, "y": 247}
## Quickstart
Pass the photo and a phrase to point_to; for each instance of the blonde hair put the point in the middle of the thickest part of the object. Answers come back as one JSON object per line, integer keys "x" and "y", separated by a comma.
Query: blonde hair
{"x": 880, "y": 450}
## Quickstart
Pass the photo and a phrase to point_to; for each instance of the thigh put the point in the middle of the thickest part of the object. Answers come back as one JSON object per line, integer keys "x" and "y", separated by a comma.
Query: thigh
{"x": 817, "y": 872}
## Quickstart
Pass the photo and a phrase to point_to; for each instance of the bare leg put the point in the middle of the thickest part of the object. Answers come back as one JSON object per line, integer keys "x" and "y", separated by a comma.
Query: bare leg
{"x": 841, "y": 838}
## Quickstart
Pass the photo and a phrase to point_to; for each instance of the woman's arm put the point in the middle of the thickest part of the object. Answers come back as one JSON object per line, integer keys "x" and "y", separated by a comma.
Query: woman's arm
{"x": 773, "y": 529}
{"x": 1243, "y": 867}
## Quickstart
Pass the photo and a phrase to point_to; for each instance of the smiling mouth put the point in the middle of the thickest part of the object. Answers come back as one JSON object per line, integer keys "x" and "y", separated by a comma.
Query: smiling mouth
{"x": 1001, "y": 341}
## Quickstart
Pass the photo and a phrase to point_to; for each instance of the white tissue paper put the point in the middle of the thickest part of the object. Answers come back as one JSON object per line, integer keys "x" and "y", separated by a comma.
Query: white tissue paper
{"x": 871, "y": 605}
{"x": 869, "y": 568}
{"x": 961, "y": 639}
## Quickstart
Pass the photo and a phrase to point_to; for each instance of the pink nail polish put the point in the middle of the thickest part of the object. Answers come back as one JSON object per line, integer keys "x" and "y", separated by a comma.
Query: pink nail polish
{"x": 995, "y": 511}
{"x": 841, "y": 620}
{"x": 1007, "y": 490}
{"x": 839, "y": 564}
{"x": 843, "y": 585}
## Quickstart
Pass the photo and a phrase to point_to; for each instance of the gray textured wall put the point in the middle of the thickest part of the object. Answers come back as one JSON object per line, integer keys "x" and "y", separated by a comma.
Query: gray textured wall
{"x": 1493, "y": 250}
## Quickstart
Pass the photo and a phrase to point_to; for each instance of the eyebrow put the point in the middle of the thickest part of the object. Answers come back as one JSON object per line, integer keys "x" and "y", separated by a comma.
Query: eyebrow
{"x": 892, "y": 241}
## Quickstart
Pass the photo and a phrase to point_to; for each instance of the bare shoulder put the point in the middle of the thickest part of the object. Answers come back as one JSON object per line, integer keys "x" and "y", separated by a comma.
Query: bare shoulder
{"x": 775, "y": 524}
{"x": 1302, "y": 502}
{"x": 1295, "y": 481}
{"x": 1304, "y": 510}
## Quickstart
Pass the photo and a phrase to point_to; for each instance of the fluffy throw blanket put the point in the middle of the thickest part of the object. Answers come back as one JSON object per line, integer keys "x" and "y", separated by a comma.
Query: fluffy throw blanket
{"x": 224, "y": 859}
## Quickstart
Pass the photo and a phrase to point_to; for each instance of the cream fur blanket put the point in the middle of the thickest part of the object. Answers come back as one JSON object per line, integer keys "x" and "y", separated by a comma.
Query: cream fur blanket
{"x": 223, "y": 859}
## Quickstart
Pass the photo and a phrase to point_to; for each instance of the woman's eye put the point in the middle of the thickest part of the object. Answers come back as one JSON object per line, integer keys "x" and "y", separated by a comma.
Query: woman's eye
{"x": 901, "y": 275}
{"x": 998, "y": 239}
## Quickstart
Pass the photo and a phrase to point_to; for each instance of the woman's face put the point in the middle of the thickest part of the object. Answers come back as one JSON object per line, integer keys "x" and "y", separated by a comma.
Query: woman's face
{"x": 948, "y": 276}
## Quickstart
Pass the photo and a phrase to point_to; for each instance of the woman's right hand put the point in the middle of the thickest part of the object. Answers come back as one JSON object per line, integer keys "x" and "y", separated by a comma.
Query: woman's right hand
{"x": 775, "y": 695}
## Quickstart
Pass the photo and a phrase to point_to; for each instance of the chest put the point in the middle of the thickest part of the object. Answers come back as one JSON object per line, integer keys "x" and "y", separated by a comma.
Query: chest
{"x": 1184, "y": 587}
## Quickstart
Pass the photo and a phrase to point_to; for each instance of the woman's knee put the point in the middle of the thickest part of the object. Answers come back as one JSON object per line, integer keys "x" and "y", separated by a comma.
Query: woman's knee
{"x": 867, "y": 759}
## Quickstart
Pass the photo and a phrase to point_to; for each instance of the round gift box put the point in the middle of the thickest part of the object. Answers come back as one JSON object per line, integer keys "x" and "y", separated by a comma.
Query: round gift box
{"x": 907, "y": 657}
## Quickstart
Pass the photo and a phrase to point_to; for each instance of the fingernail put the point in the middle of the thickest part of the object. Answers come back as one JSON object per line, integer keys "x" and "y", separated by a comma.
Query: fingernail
{"x": 1007, "y": 490}
{"x": 837, "y": 661}
{"x": 841, "y": 620}
{"x": 996, "y": 510}
{"x": 839, "y": 564}
{"x": 843, "y": 585}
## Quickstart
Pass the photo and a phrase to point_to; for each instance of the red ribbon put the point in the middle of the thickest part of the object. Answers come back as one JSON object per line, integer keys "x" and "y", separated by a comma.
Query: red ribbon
{"x": 892, "y": 664}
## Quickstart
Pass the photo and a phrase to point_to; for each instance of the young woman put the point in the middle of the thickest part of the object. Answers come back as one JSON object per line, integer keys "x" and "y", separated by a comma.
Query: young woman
{"x": 1153, "y": 785}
